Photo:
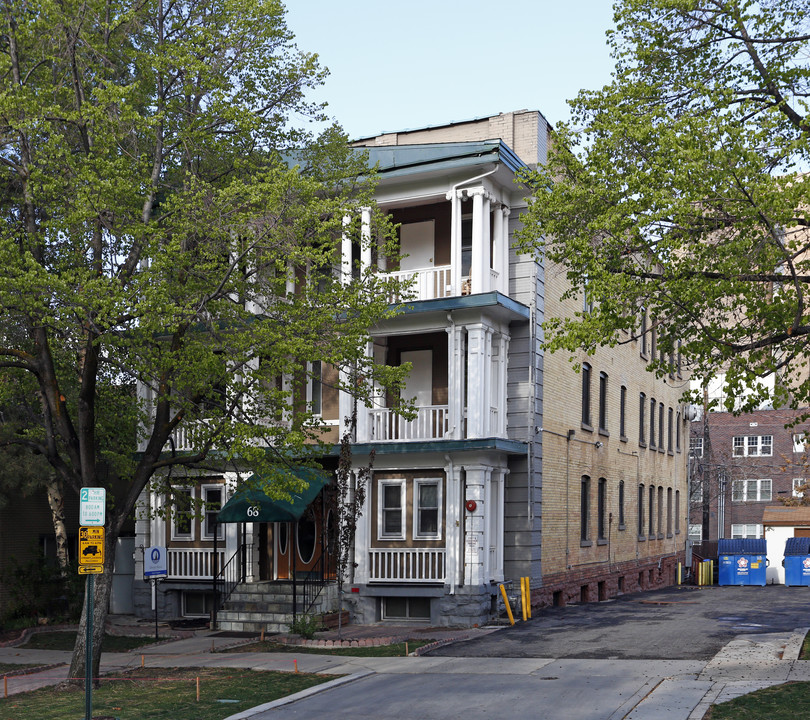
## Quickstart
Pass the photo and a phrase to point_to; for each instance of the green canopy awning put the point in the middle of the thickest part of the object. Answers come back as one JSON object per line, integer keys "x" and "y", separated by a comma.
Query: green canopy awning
{"x": 252, "y": 505}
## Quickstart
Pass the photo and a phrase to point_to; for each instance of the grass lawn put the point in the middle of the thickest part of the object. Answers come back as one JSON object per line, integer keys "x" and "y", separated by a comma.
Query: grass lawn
{"x": 65, "y": 639}
{"x": 395, "y": 650}
{"x": 167, "y": 694}
{"x": 805, "y": 652}
{"x": 11, "y": 667}
{"x": 781, "y": 702}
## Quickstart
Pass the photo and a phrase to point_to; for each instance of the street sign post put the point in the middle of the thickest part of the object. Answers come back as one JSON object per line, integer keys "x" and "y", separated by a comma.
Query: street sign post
{"x": 155, "y": 569}
{"x": 92, "y": 506}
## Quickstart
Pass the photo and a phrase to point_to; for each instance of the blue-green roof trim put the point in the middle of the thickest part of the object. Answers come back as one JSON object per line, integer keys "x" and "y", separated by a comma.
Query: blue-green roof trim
{"x": 510, "y": 447}
{"x": 404, "y": 159}
{"x": 467, "y": 301}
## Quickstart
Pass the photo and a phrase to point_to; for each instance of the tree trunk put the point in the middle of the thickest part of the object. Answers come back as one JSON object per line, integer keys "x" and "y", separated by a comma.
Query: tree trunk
{"x": 56, "y": 502}
{"x": 101, "y": 601}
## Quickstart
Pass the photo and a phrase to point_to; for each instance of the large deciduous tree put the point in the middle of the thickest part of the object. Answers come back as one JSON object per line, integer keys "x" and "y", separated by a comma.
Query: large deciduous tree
{"x": 169, "y": 244}
{"x": 679, "y": 188}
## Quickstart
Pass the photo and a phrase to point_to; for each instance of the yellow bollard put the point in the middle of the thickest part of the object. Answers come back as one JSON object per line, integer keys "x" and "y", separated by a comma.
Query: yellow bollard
{"x": 523, "y": 598}
{"x": 198, "y": 688}
{"x": 508, "y": 607}
{"x": 528, "y": 598}
{"x": 711, "y": 572}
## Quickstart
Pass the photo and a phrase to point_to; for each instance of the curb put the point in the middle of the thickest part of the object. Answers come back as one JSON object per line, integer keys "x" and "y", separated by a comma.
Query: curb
{"x": 345, "y": 680}
{"x": 793, "y": 648}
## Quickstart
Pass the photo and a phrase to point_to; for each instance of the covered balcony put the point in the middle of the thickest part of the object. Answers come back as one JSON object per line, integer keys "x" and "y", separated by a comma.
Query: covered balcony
{"x": 457, "y": 385}
{"x": 457, "y": 246}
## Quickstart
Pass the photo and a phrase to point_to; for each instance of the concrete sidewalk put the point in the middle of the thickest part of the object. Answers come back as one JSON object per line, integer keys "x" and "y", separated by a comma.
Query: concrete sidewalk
{"x": 443, "y": 686}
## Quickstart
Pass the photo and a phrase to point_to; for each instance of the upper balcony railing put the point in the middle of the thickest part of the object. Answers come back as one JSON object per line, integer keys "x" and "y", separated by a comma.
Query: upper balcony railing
{"x": 432, "y": 283}
{"x": 431, "y": 423}
{"x": 426, "y": 283}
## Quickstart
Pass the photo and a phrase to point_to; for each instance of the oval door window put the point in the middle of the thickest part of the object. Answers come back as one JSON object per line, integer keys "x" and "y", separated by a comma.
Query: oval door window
{"x": 306, "y": 537}
{"x": 283, "y": 537}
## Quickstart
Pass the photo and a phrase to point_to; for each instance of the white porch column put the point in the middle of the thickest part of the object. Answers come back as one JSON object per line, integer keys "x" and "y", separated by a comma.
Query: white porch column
{"x": 363, "y": 408}
{"x": 503, "y": 371}
{"x": 502, "y": 262}
{"x": 365, "y": 239}
{"x": 479, "y": 269}
{"x": 362, "y": 534}
{"x": 497, "y": 247}
{"x": 346, "y": 253}
{"x": 489, "y": 509}
{"x": 454, "y": 196}
{"x": 477, "y": 399}
{"x": 474, "y": 547}
{"x": 454, "y": 566}
{"x": 455, "y": 381}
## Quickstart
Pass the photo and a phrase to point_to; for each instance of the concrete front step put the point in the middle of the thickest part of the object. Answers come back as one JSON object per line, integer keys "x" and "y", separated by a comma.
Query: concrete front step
{"x": 254, "y": 607}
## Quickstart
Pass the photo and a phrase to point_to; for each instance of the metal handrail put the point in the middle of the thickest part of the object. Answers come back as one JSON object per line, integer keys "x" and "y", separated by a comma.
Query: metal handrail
{"x": 232, "y": 573}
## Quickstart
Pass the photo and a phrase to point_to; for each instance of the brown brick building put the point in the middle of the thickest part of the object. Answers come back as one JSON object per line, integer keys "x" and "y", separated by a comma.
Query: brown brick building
{"x": 741, "y": 465}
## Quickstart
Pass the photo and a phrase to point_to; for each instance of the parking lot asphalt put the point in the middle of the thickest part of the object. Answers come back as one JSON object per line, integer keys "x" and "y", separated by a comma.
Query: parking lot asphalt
{"x": 685, "y": 623}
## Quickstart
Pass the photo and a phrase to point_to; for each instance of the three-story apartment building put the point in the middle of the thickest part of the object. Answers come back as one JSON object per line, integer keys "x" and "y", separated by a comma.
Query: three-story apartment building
{"x": 514, "y": 464}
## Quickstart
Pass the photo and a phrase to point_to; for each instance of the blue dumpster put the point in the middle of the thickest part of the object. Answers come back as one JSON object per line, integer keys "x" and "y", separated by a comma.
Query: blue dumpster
{"x": 742, "y": 561}
{"x": 797, "y": 561}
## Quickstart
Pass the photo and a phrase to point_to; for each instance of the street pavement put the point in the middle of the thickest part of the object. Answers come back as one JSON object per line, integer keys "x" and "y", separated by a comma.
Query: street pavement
{"x": 507, "y": 672}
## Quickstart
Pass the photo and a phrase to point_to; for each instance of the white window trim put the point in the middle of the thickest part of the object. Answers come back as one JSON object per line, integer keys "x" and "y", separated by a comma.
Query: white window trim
{"x": 799, "y": 442}
{"x": 427, "y": 481}
{"x": 696, "y": 447}
{"x": 797, "y": 482}
{"x": 220, "y": 526}
{"x": 746, "y": 446}
{"x": 381, "y": 499}
{"x": 695, "y": 533}
{"x": 744, "y": 485}
{"x": 696, "y": 491}
{"x": 744, "y": 533}
{"x": 175, "y": 535}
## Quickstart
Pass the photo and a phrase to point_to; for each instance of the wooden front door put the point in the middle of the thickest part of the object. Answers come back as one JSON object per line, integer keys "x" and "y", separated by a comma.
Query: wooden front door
{"x": 304, "y": 546}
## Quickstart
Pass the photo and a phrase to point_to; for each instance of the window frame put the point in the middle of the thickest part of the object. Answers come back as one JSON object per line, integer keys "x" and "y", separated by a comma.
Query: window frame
{"x": 653, "y": 406}
{"x": 640, "y": 518}
{"x": 206, "y": 512}
{"x": 758, "y": 532}
{"x": 740, "y": 490}
{"x": 623, "y": 413}
{"x": 642, "y": 422}
{"x": 745, "y": 446}
{"x": 696, "y": 447}
{"x": 586, "y": 396}
{"x": 417, "y": 534}
{"x": 601, "y": 510}
{"x": 382, "y": 483}
{"x": 661, "y": 427}
{"x": 585, "y": 510}
{"x": 799, "y": 442}
{"x": 175, "y": 535}
{"x": 603, "y": 390}
{"x": 621, "y": 505}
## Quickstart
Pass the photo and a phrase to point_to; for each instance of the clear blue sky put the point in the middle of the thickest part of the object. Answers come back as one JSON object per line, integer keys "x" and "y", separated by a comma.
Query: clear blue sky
{"x": 399, "y": 65}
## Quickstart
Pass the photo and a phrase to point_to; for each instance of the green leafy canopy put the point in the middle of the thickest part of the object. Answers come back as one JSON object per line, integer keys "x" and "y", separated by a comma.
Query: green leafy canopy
{"x": 680, "y": 187}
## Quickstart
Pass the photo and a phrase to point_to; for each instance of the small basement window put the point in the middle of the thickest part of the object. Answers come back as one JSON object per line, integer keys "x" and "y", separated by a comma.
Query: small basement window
{"x": 406, "y": 608}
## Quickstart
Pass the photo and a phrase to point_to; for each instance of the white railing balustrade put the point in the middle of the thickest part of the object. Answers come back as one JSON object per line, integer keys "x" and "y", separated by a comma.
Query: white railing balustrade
{"x": 407, "y": 565}
{"x": 193, "y": 563}
{"x": 431, "y": 423}
{"x": 425, "y": 283}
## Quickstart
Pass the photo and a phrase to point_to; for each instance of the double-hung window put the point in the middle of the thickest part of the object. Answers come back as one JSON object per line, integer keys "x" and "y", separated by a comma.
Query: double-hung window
{"x": 391, "y": 517}
{"x": 586, "y": 395}
{"x": 752, "y": 445}
{"x": 183, "y": 513}
{"x": 642, "y": 404}
{"x": 212, "y": 497}
{"x": 696, "y": 447}
{"x": 427, "y": 515}
{"x": 751, "y": 490}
